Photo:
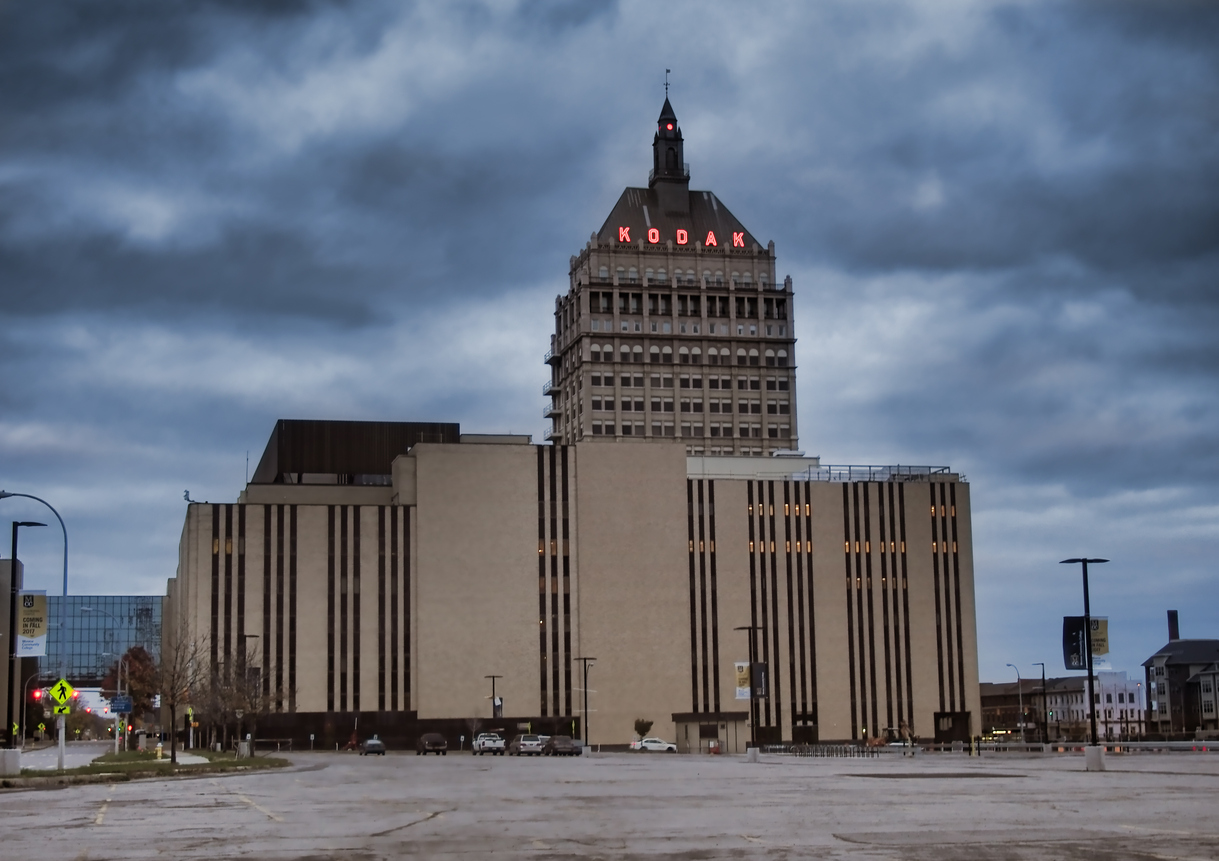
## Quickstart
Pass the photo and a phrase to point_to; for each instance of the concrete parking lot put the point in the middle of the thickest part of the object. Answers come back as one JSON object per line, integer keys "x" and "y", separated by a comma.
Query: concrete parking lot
{"x": 332, "y": 806}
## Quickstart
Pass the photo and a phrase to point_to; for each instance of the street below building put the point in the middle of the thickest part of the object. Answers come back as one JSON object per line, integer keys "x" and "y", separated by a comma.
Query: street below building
{"x": 945, "y": 806}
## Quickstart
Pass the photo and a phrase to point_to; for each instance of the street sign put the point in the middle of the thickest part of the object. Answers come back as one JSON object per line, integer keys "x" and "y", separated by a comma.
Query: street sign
{"x": 121, "y": 705}
{"x": 63, "y": 710}
{"x": 61, "y": 691}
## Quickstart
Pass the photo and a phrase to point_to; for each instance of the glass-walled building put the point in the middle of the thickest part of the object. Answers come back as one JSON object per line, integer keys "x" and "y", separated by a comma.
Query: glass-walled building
{"x": 97, "y": 629}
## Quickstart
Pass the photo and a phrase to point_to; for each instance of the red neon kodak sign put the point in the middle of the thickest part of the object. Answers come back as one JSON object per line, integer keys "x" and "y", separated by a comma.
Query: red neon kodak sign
{"x": 682, "y": 237}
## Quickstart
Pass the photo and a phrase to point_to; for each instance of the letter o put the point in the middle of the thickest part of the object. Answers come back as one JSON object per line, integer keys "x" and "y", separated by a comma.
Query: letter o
{"x": 653, "y": 235}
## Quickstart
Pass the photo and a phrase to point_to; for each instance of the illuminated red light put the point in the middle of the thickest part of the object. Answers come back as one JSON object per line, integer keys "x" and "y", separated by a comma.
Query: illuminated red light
{"x": 738, "y": 240}
{"x": 669, "y": 127}
{"x": 711, "y": 239}
{"x": 624, "y": 234}
{"x": 653, "y": 235}
{"x": 37, "y": 694}
{"x": 682, "y": 237}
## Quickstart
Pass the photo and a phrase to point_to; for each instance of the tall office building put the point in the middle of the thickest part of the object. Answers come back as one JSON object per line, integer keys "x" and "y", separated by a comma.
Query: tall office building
{"x": 674, "y": 324}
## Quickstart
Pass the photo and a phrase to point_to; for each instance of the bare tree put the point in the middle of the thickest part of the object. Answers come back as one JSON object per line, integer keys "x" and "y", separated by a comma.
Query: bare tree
{"x": 182, "y": 669}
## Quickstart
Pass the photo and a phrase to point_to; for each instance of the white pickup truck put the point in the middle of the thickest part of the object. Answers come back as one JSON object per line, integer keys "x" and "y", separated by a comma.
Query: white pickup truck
{"x": 488, "y": 742}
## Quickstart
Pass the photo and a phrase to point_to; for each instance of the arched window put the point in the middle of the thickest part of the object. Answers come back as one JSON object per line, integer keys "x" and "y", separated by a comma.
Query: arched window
{"x": 696, "y": 356}
{"x": 637, "y": 354}
{"x": 719, "y": 279}
{"x": 748, "y": 278}
{"x": 670, "y": 159}
{"x": 783, "y": 358}
{"x": 762, "y": 281}
{"x": 740, "y": 358}
{"x": 713, "y": 356}
{"x": 770, "y": 358}
{"x": 633, "y": 275}
{"x": 654, "y": 355}
{"x": 649, "y": 274}
{"x": 706, "y": 276}
{"x": 666, "y": 355}
{"x": 736, "y": 278}
{"x": 604, "y": 273}
{"x": 596, "y": 353}
{"x": 683, "y": 356}
{"x": 661, "y": 275}
{"x": 690, "y": 276}
{"x": 753, "y": 357}
{"x": 624, "y": 353}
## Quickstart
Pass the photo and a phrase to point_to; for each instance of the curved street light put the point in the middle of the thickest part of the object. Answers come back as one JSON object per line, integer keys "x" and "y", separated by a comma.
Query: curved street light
{"x": 1020, "y": 694}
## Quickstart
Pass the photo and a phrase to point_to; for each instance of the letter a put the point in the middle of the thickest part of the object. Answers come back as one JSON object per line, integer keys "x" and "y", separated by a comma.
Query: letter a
{"x": 624, "y": 234}
{"x": 710, "y": 239}
{"x": 738, "y": 240}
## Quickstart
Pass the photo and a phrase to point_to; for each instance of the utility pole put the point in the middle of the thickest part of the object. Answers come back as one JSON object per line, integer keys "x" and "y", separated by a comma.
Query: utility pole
{"x": 584, "y": 721}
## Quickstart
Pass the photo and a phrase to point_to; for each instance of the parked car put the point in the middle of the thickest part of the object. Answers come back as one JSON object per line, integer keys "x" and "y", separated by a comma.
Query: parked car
{"x": 560, "y": 745}
{"x": 646, "y": 744}
{"x": 488, "y": 742}
{"x": 525, "y": 745}
{"x": 372, "y": 745}
{"x": 432, "y": 742}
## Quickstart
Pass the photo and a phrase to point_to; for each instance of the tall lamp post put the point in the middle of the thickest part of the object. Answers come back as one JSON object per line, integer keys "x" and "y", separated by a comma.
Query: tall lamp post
{"x": 10, "y": 695}
{"x": 753, "y": 708}
{"x": 63, "y": 655}
{"x": 585, "y": 662}
{"x": 1020, "y": 695}
{"x": 1045, "y": 714}
{"x": 1088, "y": 637}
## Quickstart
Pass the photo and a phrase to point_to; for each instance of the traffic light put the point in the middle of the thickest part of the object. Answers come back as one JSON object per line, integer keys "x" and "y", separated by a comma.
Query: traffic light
{"x": 37, "y": 694}
{"x": 88, "y": 710}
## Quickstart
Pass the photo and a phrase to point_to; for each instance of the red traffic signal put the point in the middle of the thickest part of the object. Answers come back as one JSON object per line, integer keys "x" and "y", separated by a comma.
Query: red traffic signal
{"x": 37, "y": 693}
{"x": 89, "y": 710}
{"x": 75, "y": 694}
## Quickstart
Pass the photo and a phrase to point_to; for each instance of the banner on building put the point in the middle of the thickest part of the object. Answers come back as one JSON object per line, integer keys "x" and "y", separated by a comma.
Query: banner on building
{"x": 31, "y": 624}
{"x": 742, "y": 680}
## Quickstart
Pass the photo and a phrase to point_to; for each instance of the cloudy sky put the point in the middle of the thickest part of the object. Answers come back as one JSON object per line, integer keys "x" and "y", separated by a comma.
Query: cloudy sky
{"x": 1002, "y": 221}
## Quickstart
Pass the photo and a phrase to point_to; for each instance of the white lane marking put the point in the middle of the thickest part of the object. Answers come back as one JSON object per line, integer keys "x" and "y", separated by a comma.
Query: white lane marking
{"x": 101, "y": 814}
{"x": 260, "y": 808}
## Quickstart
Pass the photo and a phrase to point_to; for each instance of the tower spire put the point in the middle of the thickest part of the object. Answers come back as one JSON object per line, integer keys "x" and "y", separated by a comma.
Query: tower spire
{"x": 670, "y": 175}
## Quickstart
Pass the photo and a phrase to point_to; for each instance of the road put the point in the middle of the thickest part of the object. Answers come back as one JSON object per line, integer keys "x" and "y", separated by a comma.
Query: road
{"x": 76, "y": 753}
{"x": 655, "y": 806}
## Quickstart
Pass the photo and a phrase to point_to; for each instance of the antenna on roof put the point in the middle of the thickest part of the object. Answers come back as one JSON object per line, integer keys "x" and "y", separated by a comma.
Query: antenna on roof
{"x": 667, "y": 82}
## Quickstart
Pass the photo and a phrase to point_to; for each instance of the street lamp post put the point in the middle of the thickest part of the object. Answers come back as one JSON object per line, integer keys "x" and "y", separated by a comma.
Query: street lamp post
{"x": 9, "y": 695}
{"x": 1045, "y": 715}
{"x": 1088, "y": 638}
{"x": 63, "y": 655}
{"x": 1020, "y": 695}
{"x": 585, "y": 662}
{"x": 753, "y": 707}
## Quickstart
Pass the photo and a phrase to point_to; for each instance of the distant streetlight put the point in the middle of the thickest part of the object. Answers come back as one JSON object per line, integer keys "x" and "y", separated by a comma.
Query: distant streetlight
{"x": 585, "y": 662}
{"x": 1020, "y": 695}
{"x": 1088, "y": 637}
{"x": 1045, "y": 715}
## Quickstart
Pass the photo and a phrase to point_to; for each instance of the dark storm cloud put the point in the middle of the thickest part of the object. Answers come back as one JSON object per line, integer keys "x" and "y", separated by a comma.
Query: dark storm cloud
{"x": 1001, "y": 219}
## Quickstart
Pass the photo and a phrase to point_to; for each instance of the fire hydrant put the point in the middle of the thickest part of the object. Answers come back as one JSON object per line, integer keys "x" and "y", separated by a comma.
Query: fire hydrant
{"x": 159, "y": 748}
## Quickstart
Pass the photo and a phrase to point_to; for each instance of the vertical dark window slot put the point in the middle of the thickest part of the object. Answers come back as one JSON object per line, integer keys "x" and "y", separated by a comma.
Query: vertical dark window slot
{"x": 715, "y": 610}
{"x": 344, "y": 609}
{"x": 850, "y": 593}
{"x": 871, "y": 602}
{"x": 802, "y": 669}
{"x": 701, "y": 550}
{"x": 279, "y": 605}
{"x": 754, "y": 705}
{"x": 330, "y": 587}
{"x": 812, "y": 618}
{"x": 859, "y": 615}
{"x": 554, "y": 579}
{"x": 407, "y": 643}
{"x": 215, "y": 632}
{"x": 228, "y": 592}
{"x": 939, "y": 626}
{"x": 241, "y": 641}
{"x": 269, "y": 658}
{"x": 393, "y": 607}
{"x": 356, "y": 630}
{"x": 542, "y": 574}
{"x": 956, "y": 583}
{"x": 791, "y": 603}
{"x": 901, "y": 502}
{"x": 949, "y": 604}
{"x": 693, "y": 599}
{"x": 764, "y": 579}
{"x": 381, "y": 600}
{"x": 895, "y": 588}
{"x": 292, "y": 609}
{"x": 566, "y": 550}
{"x": 885, "y": 584}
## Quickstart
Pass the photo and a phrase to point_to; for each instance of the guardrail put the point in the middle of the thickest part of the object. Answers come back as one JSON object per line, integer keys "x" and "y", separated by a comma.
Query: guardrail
{"x": 822, "y": 750}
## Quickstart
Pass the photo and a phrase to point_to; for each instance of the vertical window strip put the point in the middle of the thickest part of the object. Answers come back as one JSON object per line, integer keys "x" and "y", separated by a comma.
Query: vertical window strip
{"x": 215, "y": 591}
{"x": 862, "y": 718}
{"x": 381, "y": 607}
{"x": 693, "y": 599}
{"x": 701, "y": 550}
{"x": 542, "y": 575}
{"x": 791, "y": 603}
{"x": 566, "y": 591}
{"x": 764, "y": 579}
{"x": 241, "y": 589}
{"x": 291, "y": 609}
{"x": 801, "y": 644}
{"x": 554, "y": 581}
{"x": 956, "y": 580}
{"x": 393, "y": 608}
{"x": 949, "y": 604}
{"x": 228, "y": 592}
{"x": 895, "y": 583}
{"x": 356, "y": 519}
{"x": 939, "y": 626}
{"x": 279, "y": 605}
{"x": 850, "y": 594}
{"x": 407, "y": 628}
{"x": 715, "y": 612}
{"x": 871, "y": 602}
{"x": 344, "y": 608}
{"x": 754, "y": 705}
{"x": 901, "y": 503}
{"x": 886, "y": 582}
{"x": 330, "y": 602}
{"x": 811, "y": 710}
{"x": 266, "y": 604}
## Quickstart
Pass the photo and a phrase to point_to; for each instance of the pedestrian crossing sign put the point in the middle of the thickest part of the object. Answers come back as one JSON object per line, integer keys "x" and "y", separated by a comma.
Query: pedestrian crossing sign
{"x": 61, "y": 691}
{"x": 63, "y": 710}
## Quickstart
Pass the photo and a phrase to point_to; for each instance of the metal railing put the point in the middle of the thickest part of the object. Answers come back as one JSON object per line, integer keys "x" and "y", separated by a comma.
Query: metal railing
{"x": 546, "y": 386}
{"x": 866, "y": 472}
{"x": 685, "y": 172}
{"x": 822, "y": 750}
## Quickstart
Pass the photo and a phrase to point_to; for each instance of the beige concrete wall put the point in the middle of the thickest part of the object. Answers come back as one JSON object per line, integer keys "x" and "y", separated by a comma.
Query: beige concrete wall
{"x": 633, "y": 585}
{"x": 476, "y": 583}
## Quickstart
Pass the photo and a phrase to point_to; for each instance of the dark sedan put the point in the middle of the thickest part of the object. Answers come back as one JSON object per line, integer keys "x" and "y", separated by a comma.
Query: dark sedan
{"x": 560, "y": 745}
{"x": 372, "y": 745}
{"x": 431, "y": 742}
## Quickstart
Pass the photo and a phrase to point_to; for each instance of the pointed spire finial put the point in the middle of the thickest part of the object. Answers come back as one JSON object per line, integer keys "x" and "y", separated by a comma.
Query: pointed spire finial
{"x": 667, "y": 82}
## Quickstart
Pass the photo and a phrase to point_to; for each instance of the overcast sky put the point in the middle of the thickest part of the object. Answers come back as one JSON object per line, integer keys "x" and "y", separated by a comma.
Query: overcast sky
{"x": 1002, "y": 221}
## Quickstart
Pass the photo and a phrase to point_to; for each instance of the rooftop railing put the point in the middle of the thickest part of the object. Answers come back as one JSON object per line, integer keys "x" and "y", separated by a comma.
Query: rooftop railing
{"x": 866, "y": 472}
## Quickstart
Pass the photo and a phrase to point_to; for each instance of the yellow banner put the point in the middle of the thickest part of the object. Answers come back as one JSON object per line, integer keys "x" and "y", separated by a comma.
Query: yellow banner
{"x": 31, "y": 624}
{"x": 1100, "y": 636}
